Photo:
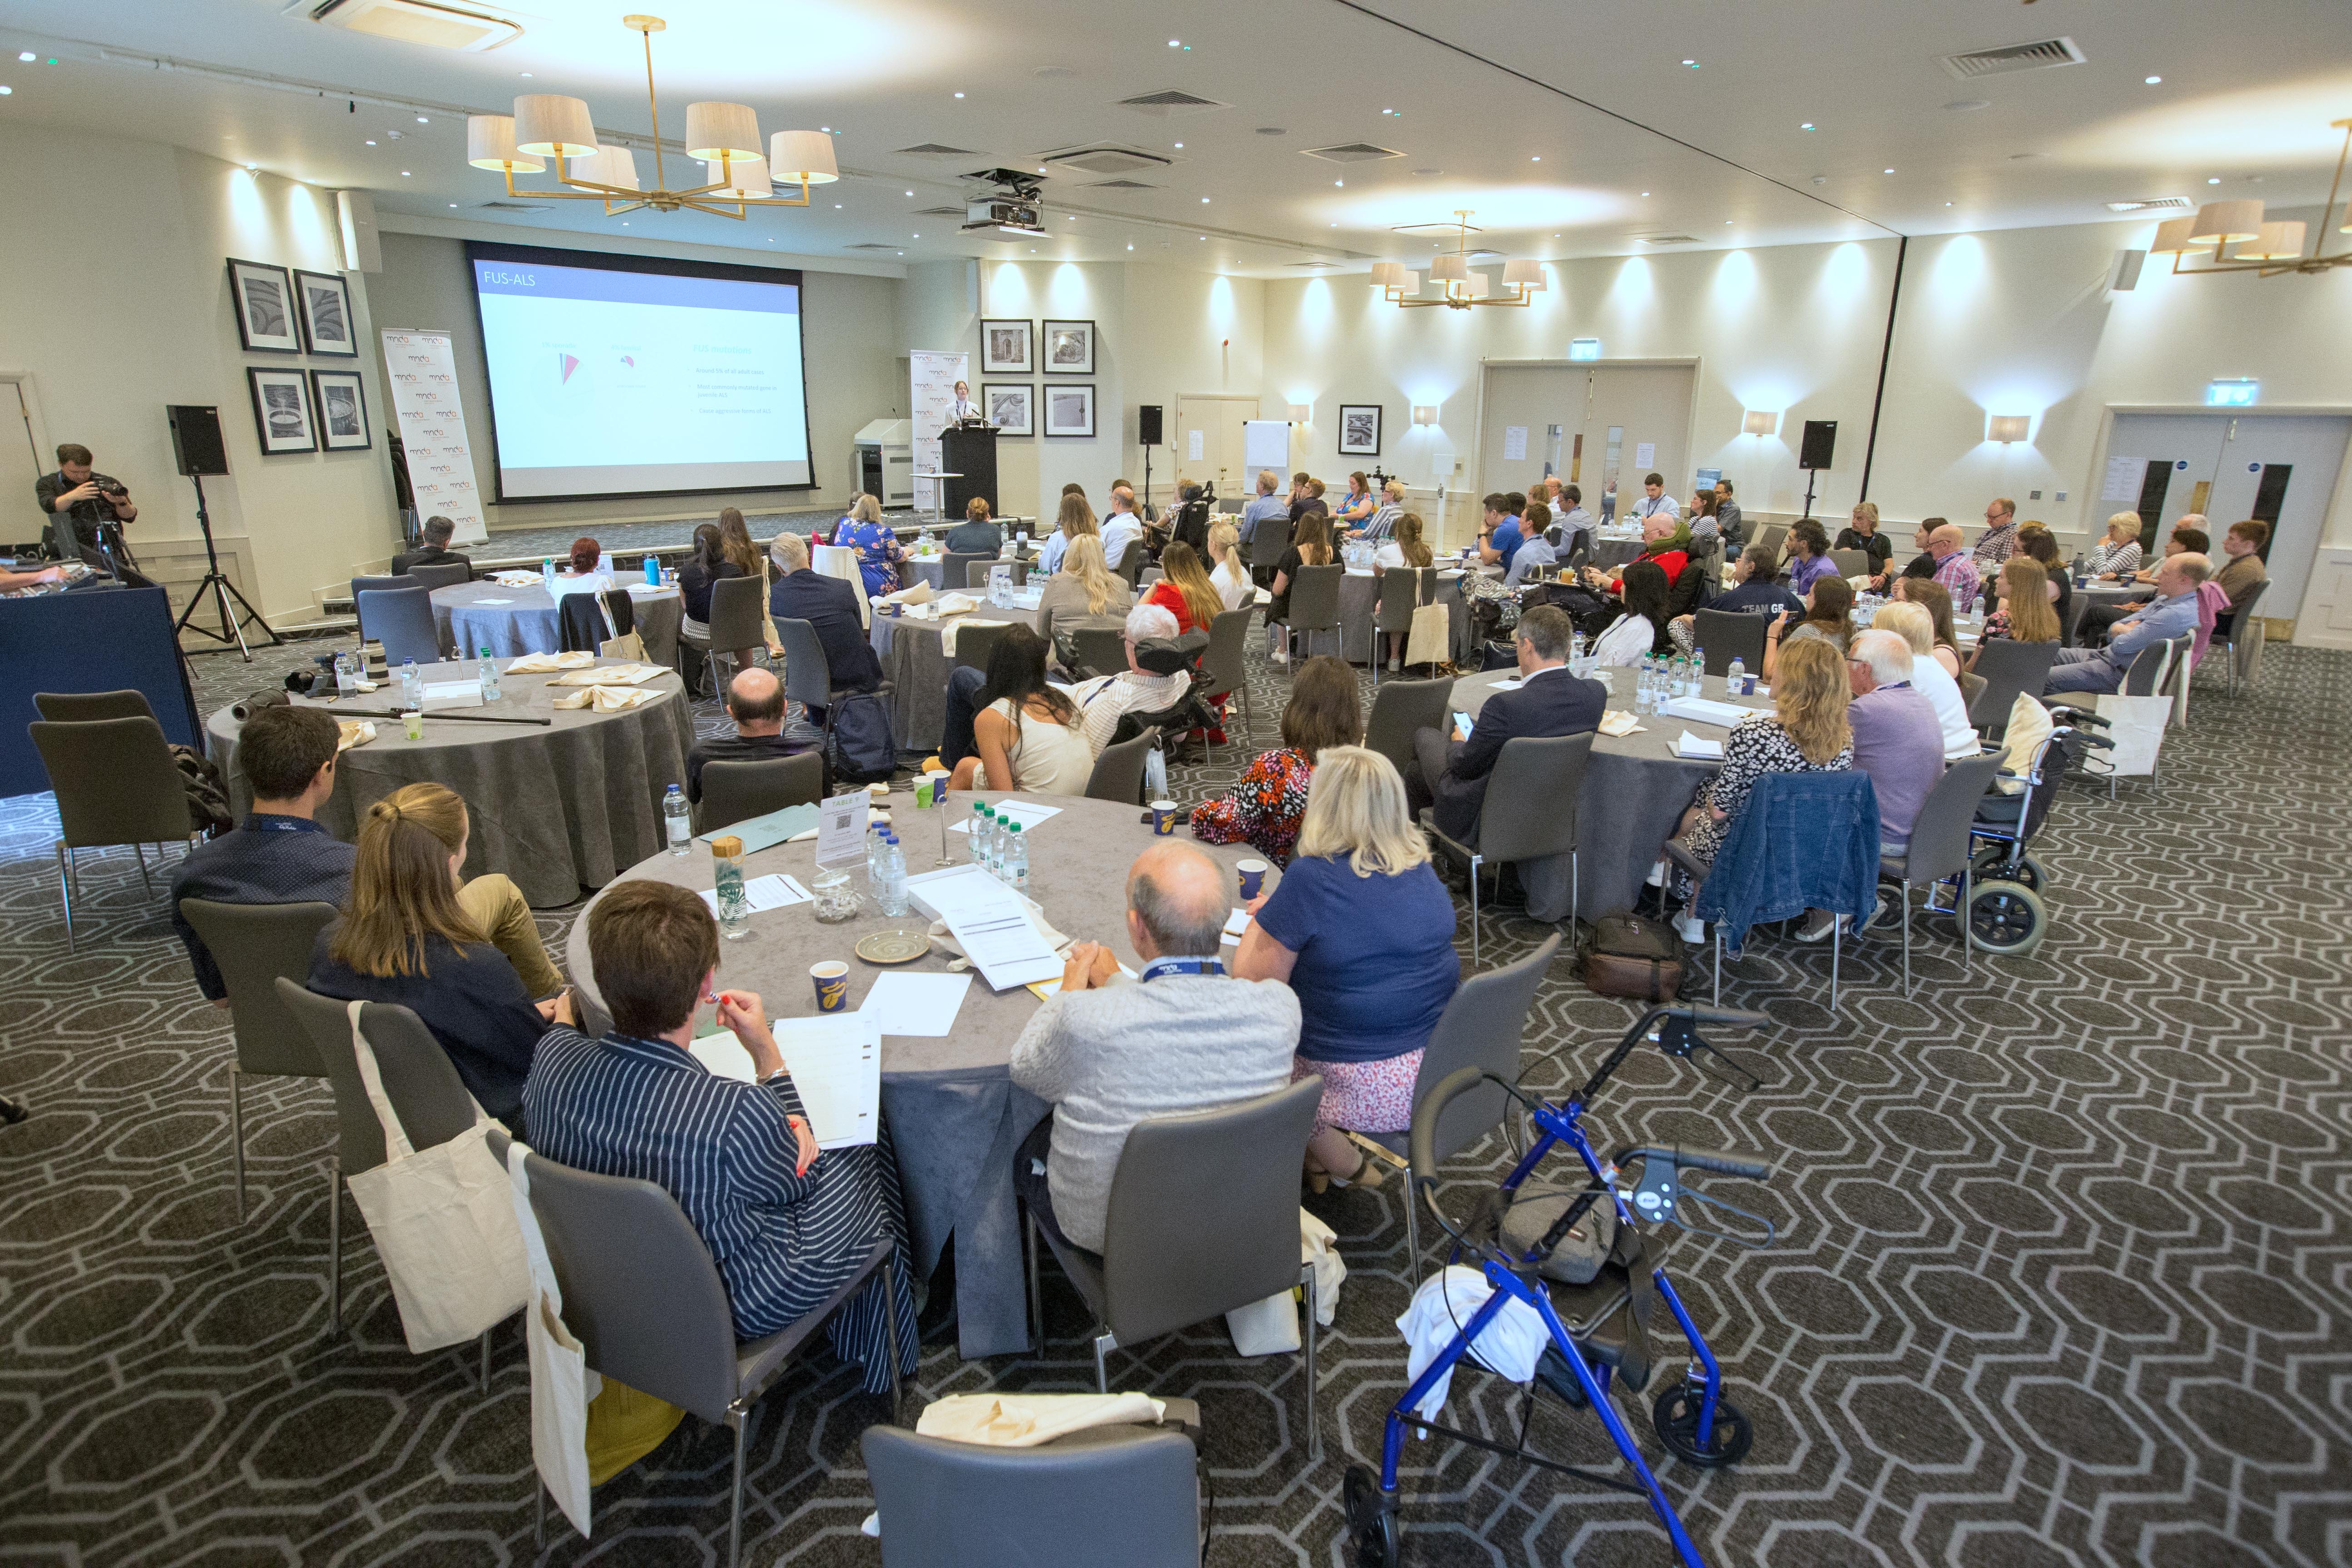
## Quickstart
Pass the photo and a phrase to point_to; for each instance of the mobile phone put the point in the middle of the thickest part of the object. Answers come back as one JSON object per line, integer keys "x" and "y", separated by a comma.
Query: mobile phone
{"x": 1462, "y": 720}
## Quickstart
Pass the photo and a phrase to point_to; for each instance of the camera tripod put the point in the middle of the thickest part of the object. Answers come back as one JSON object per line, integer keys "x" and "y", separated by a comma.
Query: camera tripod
{"x": 221, "y": 590}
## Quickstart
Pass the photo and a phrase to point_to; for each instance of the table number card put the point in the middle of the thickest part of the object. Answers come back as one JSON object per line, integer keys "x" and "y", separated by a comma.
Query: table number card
{"x": 841, "y": 829}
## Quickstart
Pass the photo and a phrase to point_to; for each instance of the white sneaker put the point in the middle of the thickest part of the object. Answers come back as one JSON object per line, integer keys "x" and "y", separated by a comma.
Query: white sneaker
{"x": 1657, "y": 877}
{"x": 1279, "y": 656}
{"x": 1691, "y": 929}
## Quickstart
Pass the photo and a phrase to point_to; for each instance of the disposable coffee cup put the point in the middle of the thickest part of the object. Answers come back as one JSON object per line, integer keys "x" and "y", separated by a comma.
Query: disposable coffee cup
{"x": 1163, "y": 817}
{"x": 1253, "y": 876}
{"x": 413, "y": 721}
{"x": 832, "y": 981}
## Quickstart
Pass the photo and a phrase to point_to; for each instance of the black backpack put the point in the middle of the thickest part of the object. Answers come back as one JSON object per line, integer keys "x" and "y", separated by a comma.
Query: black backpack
{"x": 860, "y": 745}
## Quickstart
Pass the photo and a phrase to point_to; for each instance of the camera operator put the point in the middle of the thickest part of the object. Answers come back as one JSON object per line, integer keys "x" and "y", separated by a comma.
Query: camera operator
{"x": 86, "y": 509}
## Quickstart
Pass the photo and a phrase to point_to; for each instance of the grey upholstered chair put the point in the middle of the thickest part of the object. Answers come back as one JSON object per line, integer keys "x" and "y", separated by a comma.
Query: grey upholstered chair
{"x": 2243, "y": 639}
{"x": 1401, "y": 709}
{"x": 955, "y": 569}
{"x": 402, "y": 620}
{"x": 2009, "y": 668}
{"x": 1226, "y": 661}
{"x": 1402, "y": 591}
{"x": 1940, "y": 847}
{"x": 975, "y": 643}
{"x": 734, "y": 791}
{"x": 1101, "y": 650}
{"x": 1119, "y": 772}
{"x": 449, "y": 575}
{"x": 1533, "y": 801}
{"x": 738, "y": 620}
{"x": 84, "y": 707}
{"x": 115, "y": 783}
{"x": 1314, "y": 603}
{"x": 1722, "y": 634}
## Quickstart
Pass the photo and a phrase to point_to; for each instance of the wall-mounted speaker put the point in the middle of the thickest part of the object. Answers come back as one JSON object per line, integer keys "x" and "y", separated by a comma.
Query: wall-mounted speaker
{"x": 1148, "y": 431}
{"x": 196, "y": 445}
{"x": 1819, "y": 445}
{"x": 2123, "y": 277}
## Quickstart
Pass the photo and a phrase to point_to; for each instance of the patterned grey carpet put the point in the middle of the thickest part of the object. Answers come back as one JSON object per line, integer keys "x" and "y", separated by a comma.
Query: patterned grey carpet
{"x": 2062, "y": 1278}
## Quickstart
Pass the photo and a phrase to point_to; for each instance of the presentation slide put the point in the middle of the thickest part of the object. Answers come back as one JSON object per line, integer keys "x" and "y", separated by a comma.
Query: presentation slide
{"x": 622, "y": 375}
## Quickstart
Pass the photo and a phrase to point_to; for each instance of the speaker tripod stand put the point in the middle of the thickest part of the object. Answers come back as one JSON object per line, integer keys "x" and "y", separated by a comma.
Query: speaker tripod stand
{"x": 233, "y": 623}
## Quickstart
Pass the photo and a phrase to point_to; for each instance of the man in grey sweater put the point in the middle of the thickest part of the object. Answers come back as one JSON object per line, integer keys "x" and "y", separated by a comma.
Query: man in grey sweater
{"x": 1107, "y": 1052}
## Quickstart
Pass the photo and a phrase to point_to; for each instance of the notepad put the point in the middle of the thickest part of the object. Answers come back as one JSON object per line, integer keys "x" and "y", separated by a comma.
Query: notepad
{"x": 835, "y": 1060}
{"x": 1020, "y": 811}
{"x": 1689, "y": 745}
{"x": 921, "y": 1005}
{"x": 1509, "y": 685}
{"x": 776, "y": 891}
{"x": 759, "y": 833}
{"x": 452, "y": 694}
{"x": 1704, "y": 710}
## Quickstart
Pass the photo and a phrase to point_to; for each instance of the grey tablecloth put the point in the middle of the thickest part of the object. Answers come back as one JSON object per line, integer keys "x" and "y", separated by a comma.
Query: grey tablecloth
{"x": 1360, "y": 596}
{"x": 530, "y": 622}
{"x": 915, "y": 661}
{"x": 1609, "y": 554}
{"x": 557, "y": 809}
{"x": 2116, "y": 593}
{"x": 1635, "y": 789}
{"x": 951, "y": 1102}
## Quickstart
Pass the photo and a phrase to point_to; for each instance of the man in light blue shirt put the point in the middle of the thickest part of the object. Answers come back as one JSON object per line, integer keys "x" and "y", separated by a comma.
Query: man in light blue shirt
{"x": 1263, "y": 505}
{"x": 1120, "y": 529}
{"x": 2172, "y": 613}
{"x": 1655, "y": 500}
{"x": 1571, "y": 519}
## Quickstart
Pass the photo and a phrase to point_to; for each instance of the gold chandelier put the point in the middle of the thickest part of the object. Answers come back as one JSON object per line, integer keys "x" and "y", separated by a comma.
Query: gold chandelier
{"x": 724, "y": 136}
{"x": 2242, "y": 241}
{"x": 1458, "y": 287}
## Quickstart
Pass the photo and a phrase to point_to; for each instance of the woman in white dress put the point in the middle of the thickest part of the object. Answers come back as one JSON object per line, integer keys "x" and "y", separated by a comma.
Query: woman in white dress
{"x": 1028, "y": 730}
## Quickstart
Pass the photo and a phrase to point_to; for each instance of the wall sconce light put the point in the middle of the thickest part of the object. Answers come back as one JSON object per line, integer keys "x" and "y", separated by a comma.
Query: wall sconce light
{"x": 1300, "y": 413}
{"x": 1761, "y": 423}
{"x": 2009, "y": 427}
{"x": 1424, "y": 413}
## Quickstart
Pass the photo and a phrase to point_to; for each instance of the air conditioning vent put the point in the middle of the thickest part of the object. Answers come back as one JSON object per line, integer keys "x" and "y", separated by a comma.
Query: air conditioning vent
{"x": 1669, "y": 239}
{"x": 1331, "y": 266}
{"x": 1489, "y": 254}
{"x": 512, "y": 207}
{"x": 425, "y": 22}
{"x": 1172, "y": 103}
{"x": 1107, "y": 158}
{"x": 938, "y": 212}
{"x": 2152, "y": 204}
{"x": 1351, "y": 153}
{"x": 2045, "y": 54}
{"x": 870, "y": 245}
{"x": 935, "y": 150}
{"x": 1121, "y": 185}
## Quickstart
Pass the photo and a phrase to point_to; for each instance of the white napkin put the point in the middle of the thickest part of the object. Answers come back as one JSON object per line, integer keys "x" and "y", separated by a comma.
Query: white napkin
{"x": 550, "y": 663}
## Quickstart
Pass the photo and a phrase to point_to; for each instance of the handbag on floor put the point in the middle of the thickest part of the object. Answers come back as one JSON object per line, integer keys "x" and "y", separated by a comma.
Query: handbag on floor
{"x": 1632, "y": 956}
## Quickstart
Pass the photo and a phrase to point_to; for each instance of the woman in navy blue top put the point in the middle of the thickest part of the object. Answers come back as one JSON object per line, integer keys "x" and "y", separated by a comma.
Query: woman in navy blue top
{"x": 1362, "y": 930}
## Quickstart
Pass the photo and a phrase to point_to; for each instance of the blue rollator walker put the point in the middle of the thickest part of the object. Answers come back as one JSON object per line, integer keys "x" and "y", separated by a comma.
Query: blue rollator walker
{"x": 1598, "y": 1330}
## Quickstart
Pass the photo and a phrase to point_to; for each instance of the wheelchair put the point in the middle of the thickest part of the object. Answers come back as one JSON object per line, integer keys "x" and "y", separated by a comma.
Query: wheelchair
{"x": 2006, "y": 916}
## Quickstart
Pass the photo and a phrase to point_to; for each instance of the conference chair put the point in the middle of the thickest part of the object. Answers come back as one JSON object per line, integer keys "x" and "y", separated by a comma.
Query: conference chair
{"x": 645, "y": 1302}
{"x": 1130, "y": 564}
{"x": 1227, "y": 661}
{"x": 1482, "y": 1027}
{"x": 2243, "y": 638}
{"x": 254, "y": 945}
{"x": 1401, "y": 709}
{"x": 1149, "y": 576}
{"x": 2177, "y": 675}
{"x": 1314, "y": 606}
{"x": 1533, "y": 801}
{"x": 1940, "y": 847}
{"x": 975, "y": 645}
{"x": 808, "y": 678}
{"x": 1972, "y": 686}
{"x": 1108, "y": 1496}
{"x": 1401, "y": 590}
{"x": 1268, "y": 543}
{"x": 115, "y": 783}
{"x": 370, "y": 584}
{"x": 402, "y": 620}
{"x": 85, "y": 707}
{"x": 2146, "y": 672}
{"x": 621, "y": 610}
{"x": 1851, "y": 563}
{"x": 1726, "y": 635}
{"x": 955, "y": 569}
{"x": 1101, "y": 650}
{"x": 1768, "y": 551}
{"x": 583, "y": 627}
{"x": 1119, "y": 772}
{"x": 2008, "y": 667}
{"x": 737, "y": 791}
{"x": 739, "y": 619}
{"x": 2071, "y": 623}
{"x": 1832, "y": 842}
{"x": 1202, "y": 1218}
{"x": 976, "y": 575}
{"x": 448, "y": 574}
{"x": 427, "y": 1094}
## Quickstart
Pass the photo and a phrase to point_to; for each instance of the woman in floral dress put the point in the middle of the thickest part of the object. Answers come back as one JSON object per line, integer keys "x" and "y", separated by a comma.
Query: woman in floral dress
{"x": 1264, "y": 810}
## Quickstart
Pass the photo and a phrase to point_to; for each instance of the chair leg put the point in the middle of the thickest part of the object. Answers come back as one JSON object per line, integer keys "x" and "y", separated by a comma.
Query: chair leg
{"x": 334, "y": 1245}
{"x": 538, "y": 1510}
{"x": 890, "y": 1283}
{"x": 735, "y": 1492}
{"x": 1905, "y": 892}
{"x": 1313, "y": 1326}
{"x": 65, "y": 889}
{"x": 485, "y": 1360}
{"x": 1037, "y": 1308}
{"x": 1105, "y": 1342}
{"x": 1411, "y": 1232}
{"x": 236, "y": 1134}
{"x": 1718, "y": 965}
{"x": 1475, "y": 860}
{"x": 1966, "y": 877}
{"x": 1837, "y": 938}
{"x": 140, "y": 851}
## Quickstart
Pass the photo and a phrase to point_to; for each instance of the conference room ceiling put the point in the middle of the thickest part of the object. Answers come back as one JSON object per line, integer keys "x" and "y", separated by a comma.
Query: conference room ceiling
{"x": 1601, "y": 131}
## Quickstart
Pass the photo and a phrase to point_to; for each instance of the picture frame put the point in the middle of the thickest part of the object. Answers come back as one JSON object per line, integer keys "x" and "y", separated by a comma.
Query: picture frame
{"x": 263, "y": 297}
{"x": 339, "y": 399}
{"x": 1359, "y": 429}
{"x": 1068, "y": 349}
{"x": 1010, "y": 406}
{"x": 283, "y": 414}
{"x": 1069, "y": 408}
{"x": 324, "y": 301}
{"x": 1007, "y": 347}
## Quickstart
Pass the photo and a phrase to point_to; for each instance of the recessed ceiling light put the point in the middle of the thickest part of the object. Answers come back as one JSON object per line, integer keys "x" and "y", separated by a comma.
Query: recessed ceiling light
{"x": 2214, "y": 181}
{"x": 1536, "y": 159}
{"x": 1645, "y": 193}
{"x": 453, "y": 204}
{"x": 1886, "y": 171}
{"x": 826, "y": 129}
{"x": 1338, "y": 181}
{"x": 1180, "y": 146}
{"x": 1130, "y": 248}
{"x": 371, "y": 144}
{"x": 1175, "y": 43}
{"x": 836, "y": 206}
{"x": 1204, "y": 201}
{"x": 526, "y": 75}
{"x": 1808, "y": 125}
{"x": 910, "y": 193}
{"x": 1335, "y": 226}
{"x": 422, "y": 120}
{"x": 1948, "y": 204}
{"x": 404, "y": 175}
{"x": 2152, "y": 80}
{"x": 1727, "y": 222}
{"x": 919, "y": 237}
{"x": 25, "y": 55}
{"x": 1693, "y": 64}
{"x": 959, "y": 95}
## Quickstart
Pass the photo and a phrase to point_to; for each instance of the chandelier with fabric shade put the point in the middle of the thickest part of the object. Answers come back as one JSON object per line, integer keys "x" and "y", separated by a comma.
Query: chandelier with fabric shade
{"x": 548, "y": 127}
{"x": 1459, "y": 288}
{"x": 2235, "y": 236}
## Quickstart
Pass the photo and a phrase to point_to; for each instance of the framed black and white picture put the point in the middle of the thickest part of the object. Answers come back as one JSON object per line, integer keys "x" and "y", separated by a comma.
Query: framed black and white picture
{"x": 1359, "y": 429}
{"x": 282, "y": 411}
{"x": 1012, "y": 406}
{"x": 1069, "y": 410}
{"x": 324, "y": 301}
{"x": 263, "y": 297}
{"x": 1069, "y": 349}
{"x": 342, "y": 404}
{"x": 1006, "y": 348}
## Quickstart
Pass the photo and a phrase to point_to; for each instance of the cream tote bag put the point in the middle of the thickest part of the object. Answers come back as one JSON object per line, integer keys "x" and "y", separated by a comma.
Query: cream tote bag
{"x": 561, "y": 1383}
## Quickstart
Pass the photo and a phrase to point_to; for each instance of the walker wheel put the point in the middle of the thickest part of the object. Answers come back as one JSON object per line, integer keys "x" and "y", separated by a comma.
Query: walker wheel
{"x": 2006, "y": 919}
{"x": 1675, "y": 1415}
{"x": 1372, "y": 1535}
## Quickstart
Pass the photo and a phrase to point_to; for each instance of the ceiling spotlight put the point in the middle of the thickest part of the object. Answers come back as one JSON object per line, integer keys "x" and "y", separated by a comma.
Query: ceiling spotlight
{"x": 1645, "y": 193}
{"x": 525, "y": 74}
{"x": 1130, "y": 248}
{"x": 1886, "y": 171}
{"x": 1175, "y": 43}
{"x": 453, "y": 204}
{"x": 910, "y": 193}
{"x": 1180, "y": 146}
{"x": 25, "y": 54}
{"x": 2151, "y": 80}
{"x": 253, "y": 168}
{"x": 836, "y": 206}
{"x": 1808, "y": 125}
{"x": 1693, "y": 64}
{"x": 2214, "y": 181}
{"x": 959, "y": 95}
{"x": 371, "y": 144}
{"x": 1536, "y": 159}
{"x": 1204, "y": 201}
{"x": 1338, "y": 181}
{"x": 403, "y": 174}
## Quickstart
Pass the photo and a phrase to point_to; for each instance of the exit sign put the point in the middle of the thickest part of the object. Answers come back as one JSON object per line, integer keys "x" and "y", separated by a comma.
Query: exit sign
{"x": 2233, "y": 393}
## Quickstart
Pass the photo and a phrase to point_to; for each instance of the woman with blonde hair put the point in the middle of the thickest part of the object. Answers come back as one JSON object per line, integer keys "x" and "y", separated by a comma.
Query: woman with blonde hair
{"x": 1861, "y": 533}
{"x": 408, "y": 935}
{"x": 2117, "y": 554}
{"x": 878, "y": 550}
{"x": 2026, "y": 613}
{"x": 1806, "y": 733}
{"x": 1075, "y": 519}
{"x": 1362, "y": 930}
{"x": 1085, "y": 585}
{"x": 1185, "y": 591}
{"x": 1917, "y": 626}
{"x": 1231, "y": 576}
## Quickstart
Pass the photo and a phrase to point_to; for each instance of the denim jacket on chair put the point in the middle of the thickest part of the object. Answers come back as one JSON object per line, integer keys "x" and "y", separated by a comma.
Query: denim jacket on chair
{"x": 1803, "y": 841}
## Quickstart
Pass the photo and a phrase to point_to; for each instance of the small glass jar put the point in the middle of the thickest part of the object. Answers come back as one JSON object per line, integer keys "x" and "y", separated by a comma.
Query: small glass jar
{"x": 836, "y": 896}
{"x": 727, "y": 869}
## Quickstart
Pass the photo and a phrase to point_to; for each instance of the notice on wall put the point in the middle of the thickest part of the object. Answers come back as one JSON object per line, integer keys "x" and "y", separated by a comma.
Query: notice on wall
{"x": 933, "y": 375}
{"x": 1192, "y": 447}
{"x": 1645, "y": 454}
{"x": 422, "y": 369}
{"x": 2124, "y": 476}
{"x": 1514, "y": 443}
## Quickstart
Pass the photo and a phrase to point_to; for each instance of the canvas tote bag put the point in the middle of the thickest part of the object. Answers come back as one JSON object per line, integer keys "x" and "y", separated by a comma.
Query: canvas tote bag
{"x": 561, "y": 1382}
{"x": 1431, "y": 640}
{"x": 442, "y": 1223}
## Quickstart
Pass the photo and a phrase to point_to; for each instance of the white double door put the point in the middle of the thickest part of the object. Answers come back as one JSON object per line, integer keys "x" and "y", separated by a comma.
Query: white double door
{"x": 2281, "y": 468}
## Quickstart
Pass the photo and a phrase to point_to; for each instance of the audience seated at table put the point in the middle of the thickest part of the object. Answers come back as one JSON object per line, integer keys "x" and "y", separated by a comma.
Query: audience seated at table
{"x": 1084, "y": 586}
{"x": 1807, "y": 731}
{"x": 1356, "y": 508}
{"x": 1188, "y": 520}
{"x": 1897, "y": 741}
{"x": 1381, "y": 524}
{"x": 1827, "y": 614}
{"x": 407, "y": 936}
{"x": 1663, "y": 542}
{"x": 1361, "y": 930}
{"x": 977, "y": 534}
{"x": 2026, "y": 613}
{"x": 705, "y": 565}
{"x": 2242, "y": 567}
{"x": 1231, "y": 573}
{"x": 787, "y": 1223}
{"x": 1455, "y": 768}
{"x": 1916, "y": 625}
{"x": 432, "y": 550}
{"x": 1861, "y": 532}
{"x": 1998, "y": 543}
{"x": 1499, "y": 533}
{"x": 1644, "y": 628}
{"x": 1535, "y": 555}
{"x": 1104, "y": 700}
{"x": 1808, "y": 556}
{"x": 2117, "y": 555}
{"x": 1263, "y": 809}
{"x": 1570, "y": 521}
{"x": 1106, "y": 1052}
{"x": 1921, "y": 565}
{"x": 1310, "y": 545}
{"x": 582, "y": 560}
{"x": 1305, "y": 495}
{"x": 2186, "y": 539}
{"x": 2034, "y": 540}
{"x": 1267, "y": 502}
{"x": 1185, "y": 590}
{"x": 1121, "y": 527}
{"x": 1931, "y": 597}
{"x": 1956, "y": 569}
{"x": 1025, "y": 734}
{"x": 1404, "y": 547}
{"x": 755, "y": 700}
{"x": 1075, "y": 518}
{"x": 829, "y": 605}
{"x": 2170, "y": 613}
{"x": 880, "y": 552}
{"x": 1754, "y": 591}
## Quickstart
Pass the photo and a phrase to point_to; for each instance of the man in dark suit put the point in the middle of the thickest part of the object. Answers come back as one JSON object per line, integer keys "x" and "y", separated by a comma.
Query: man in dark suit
{"x": 976, "y": 534}
{"x": 434, "y": 550}
{"x": 1455, "y": 768}
{"x": 829, "y": 605}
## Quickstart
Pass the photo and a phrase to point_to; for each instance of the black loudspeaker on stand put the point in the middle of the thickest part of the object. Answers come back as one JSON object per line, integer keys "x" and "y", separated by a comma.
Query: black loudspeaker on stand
{"x": 1148, "y": 434}
{"x": 197, "y": 449}
{"x": 1815, "y": 453}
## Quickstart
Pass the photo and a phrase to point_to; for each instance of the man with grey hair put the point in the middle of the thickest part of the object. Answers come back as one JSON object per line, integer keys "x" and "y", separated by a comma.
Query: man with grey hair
{"x": 432, "y": 550}
{"x": 829, "y": 605}
{"x": 1107, "y": 1052}
{"x": 1103, "y": 700}
{"x": 2172, "y": 612}
{"x": 1550, "y": 700}
{"x": 1266, "y": 503}
{"x": 1897, "y": 741}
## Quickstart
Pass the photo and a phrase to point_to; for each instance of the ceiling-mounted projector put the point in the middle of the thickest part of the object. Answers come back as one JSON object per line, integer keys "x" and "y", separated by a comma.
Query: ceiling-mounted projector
{"x": 1012, "y": 209}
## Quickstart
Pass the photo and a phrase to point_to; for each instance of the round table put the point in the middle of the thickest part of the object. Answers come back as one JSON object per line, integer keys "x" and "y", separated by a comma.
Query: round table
{"x": 2116, "y": 593}
{"x": 1359, "y": 593}
{"x": 913, "y": 653}
{"x": 558, "y": 808}
{"x": 1613, "y": 550}
{"x": 511, "y": 622}
{"x": 1636, "y": 790}
{"x": 954, "y": 1111}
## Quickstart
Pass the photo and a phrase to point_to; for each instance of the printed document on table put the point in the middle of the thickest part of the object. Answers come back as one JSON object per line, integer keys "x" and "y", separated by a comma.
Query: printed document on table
{"x": 1006, "y": 947}
{"x": 915, "y": 1004}
{"x": 1704, "y": 710}
{"x": 1690, "y": 745}
{"x": 1020, "y": 811}
{"x": 452, "y": 694}
{"x": 774, "y": 891}
{"x": 835, "y": 1060}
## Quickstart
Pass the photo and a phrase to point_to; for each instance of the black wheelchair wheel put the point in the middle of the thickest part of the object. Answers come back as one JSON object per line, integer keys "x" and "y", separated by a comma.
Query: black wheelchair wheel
{"x": 1373, "y": 1540}
{"x": 2006, "y": 919}
{"x": 1675, "y": 1416}
{"x": 1991, "y": 864}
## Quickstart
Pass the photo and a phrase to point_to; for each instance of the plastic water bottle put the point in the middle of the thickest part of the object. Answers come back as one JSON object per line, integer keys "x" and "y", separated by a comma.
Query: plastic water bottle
{"x": 677, "y": 820}
{"x": 412, "y": 685}
{"x": 1698, "y": 672}
{"x": 1016, "y": 861}
{"x": 489, "y": 677}
{"x": 1735, "y": 678}
{"x": 976, "y": 831}
{"x": 997, "y": 824}
{"x": 547, "y": 575}
{"x": 1575, "y": 648}
{"x": 873, "y": 874}
{"x": 893, "y": 893}
{"x": 1645, "y": 690}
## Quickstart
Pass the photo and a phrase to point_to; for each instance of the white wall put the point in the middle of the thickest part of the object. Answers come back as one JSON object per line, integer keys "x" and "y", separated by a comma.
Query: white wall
{"x": 114, "y": 324}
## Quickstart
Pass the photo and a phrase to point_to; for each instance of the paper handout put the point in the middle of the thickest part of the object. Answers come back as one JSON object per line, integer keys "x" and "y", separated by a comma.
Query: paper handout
{"x": 835, "y": 1060}
{"x": 922, "y": 1005}
{"x": 1689, "y": 745}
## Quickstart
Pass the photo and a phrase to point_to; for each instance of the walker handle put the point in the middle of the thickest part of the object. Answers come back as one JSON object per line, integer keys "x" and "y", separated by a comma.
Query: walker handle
{"x": 1721, "y": 1163}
